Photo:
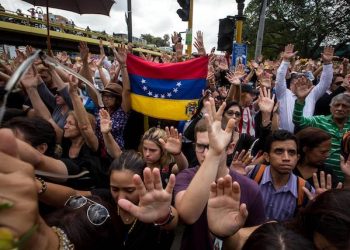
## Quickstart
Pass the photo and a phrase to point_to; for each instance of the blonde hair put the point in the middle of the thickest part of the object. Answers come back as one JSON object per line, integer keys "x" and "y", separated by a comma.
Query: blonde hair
{"x": 91, "y": 118}
{"x": 154, "y": 134}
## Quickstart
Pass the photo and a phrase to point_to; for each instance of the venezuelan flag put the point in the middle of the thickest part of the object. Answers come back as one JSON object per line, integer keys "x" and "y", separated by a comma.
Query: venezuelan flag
{"x": 166, "y": 91}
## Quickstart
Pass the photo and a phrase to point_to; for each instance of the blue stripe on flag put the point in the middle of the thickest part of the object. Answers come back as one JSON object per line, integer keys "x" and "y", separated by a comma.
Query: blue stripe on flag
{"x": 167, "y": 89}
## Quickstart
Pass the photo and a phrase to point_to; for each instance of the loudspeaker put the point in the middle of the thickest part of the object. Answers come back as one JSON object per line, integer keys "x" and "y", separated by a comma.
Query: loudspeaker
{"x": 226, "y": 34}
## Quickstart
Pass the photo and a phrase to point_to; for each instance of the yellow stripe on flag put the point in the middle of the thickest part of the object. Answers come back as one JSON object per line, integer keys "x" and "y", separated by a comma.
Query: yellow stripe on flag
{"x": 162, "y": 108}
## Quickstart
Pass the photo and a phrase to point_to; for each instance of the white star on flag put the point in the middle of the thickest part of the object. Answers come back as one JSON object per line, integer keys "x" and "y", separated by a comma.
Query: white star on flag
{"x": 150, "y": 93}
{"x": 156, "y": 95}
{"x": 143, "y": 81}
{"x": 178, "y": 84}
{"x": 169, "y": 94}
{"x": 162, "y": 96}
{"x": 144, "y": 88}
{"x": 175, "y": 90}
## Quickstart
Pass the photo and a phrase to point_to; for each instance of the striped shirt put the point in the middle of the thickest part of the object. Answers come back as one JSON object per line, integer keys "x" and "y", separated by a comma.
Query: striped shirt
{"x": 327, "y": 124}
{"x": 279, "y": 204}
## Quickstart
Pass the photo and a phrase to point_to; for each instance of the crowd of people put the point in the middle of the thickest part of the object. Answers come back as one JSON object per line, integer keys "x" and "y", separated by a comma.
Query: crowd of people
{"x": 262, "y": 164}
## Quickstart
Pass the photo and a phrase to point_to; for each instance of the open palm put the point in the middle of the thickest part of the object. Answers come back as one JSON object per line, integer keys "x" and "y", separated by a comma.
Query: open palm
{"x": 225, "y": 213}
{"x": 154, "y": 201}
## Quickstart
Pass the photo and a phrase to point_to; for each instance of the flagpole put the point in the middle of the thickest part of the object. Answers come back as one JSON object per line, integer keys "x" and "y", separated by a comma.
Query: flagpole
{"x": 48, "y": 27}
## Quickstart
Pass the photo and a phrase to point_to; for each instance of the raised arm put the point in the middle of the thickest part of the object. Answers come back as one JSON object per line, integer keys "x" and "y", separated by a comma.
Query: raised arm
{"x": 121, "y": 58}
{"x": 155, "y": 202}
{"x": 111, "y": 144}
{"x": 173, "y": 146}
{"x": 85, "y": 70}
{"x": 30, "y": 82}
{"x": 234, "y": 93}
{"x": 281, "y": 85}
{"x": 303, "y": 88}
{"x": 326, "y": 76}
{"x": 190, "y": 203}
{"x": 82, "y": 116}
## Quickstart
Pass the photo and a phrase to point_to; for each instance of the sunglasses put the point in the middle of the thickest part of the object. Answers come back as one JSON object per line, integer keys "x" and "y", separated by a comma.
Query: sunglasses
{"x": 96, "y": 213}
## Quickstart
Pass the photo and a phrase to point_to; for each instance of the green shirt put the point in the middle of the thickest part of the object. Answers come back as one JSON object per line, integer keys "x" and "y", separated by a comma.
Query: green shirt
{"x": 327, "y": 124}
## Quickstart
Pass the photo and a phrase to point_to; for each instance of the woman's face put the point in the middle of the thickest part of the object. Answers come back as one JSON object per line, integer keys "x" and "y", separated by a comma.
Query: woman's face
{"x": 233, "y": 112}
{"x": 108, "y": 100}
{"x": 318, "y": 155}
{"x": 151, "y": 152}
{"x": 71, "y": 129}
{"x": 122, "y": 186}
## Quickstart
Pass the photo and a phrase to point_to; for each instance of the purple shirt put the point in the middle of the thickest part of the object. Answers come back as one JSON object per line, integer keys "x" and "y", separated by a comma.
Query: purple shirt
{"x": 119, "y": 119}
{"x": 197, "y": 236}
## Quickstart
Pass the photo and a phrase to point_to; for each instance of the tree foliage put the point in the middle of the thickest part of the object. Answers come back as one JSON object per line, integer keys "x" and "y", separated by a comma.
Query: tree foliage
{"x": 158, "y": 41}
{"x": 309, "y": 24}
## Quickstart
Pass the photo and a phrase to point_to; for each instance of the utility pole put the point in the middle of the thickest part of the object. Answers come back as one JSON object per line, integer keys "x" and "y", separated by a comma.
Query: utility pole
{"x": 260, "y": 35}
{"x": 129, "y": 22}
{"x": 189, "y": 30}
{"x": 239, "y": 21}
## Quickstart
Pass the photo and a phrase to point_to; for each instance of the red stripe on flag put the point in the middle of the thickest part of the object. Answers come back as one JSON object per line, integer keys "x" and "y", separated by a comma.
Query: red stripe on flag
{"x": 191, "y": 69}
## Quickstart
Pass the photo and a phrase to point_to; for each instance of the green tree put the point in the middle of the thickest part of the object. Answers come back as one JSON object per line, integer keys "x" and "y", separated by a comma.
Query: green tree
{"x": 309, "y": 24}
{"x": 158, "y": 41}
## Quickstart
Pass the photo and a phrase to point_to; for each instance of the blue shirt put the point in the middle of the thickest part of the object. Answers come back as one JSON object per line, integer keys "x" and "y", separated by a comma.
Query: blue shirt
{"x": 279, "y": 204}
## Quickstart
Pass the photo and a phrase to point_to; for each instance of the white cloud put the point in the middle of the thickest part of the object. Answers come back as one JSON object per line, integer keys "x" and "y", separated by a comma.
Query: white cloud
{"x": 155, "y": 17}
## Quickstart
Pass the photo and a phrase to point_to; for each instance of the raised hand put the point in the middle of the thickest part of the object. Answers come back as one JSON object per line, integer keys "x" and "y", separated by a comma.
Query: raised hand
{"x": 31, "y": 78}
{"x": 289, "y": 53}
{"x": 174, "y": 37}
{"x": 154, "y": 201}
{"x": 84, "y": 51}
{"x": 345, "y": 165}
{"x": 173, "y": 142}
{"x": 199, "y": 45}
{"x": 121, "y": 54}
{"x": 105, "y": 121}
{"x": 302, "y": 88}
{"x": 224, "y": 212}
{"x": 266, "y": 101}
{"x": 73, "y": 84}
{"x": 240, "y": 161}
{"x": 218, "y": 138}
{"x": 327, "y": 55}
{"x": 320, "y": 187}
{"x": 99, "y": 63}
{"x": 259, "y": 71}
{"x": 235, "y": 78}
{"x": 179, "y": 48}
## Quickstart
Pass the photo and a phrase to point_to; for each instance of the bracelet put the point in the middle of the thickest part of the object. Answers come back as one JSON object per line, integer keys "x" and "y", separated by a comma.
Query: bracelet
{"x": 123, "y": 66}
{"x": 168, "y": 220}
{"x": 65, "y": 243}
{"x": 43, "y": 186}
{"x": 177, "y": 153}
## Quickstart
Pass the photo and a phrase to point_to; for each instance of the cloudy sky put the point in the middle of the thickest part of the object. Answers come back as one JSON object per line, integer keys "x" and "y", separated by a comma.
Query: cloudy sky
{"x": 155, "y": 17}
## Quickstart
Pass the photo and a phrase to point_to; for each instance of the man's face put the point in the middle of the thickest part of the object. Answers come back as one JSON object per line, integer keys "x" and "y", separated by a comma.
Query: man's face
{"x": 201, "y": 146}
{"x": 336, "y": 83}
{"x": 283, "y": 156}
{"x": 340, "y": 110}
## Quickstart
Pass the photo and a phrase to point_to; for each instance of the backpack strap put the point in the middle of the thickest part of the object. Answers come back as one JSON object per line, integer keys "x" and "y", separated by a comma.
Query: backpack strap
{"x": 301, "y": 184}
{"x": 258, "y": 173}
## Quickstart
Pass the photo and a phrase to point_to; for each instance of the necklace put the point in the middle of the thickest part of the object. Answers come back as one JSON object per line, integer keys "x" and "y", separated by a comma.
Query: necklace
{"x": 130, "y": 230}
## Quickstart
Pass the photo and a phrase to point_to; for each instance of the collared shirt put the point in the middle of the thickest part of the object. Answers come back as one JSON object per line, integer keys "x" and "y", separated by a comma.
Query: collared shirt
{"x": 286, "y": 98}
{"x": 279, "y": 204}
{"x": 327, "y": 124}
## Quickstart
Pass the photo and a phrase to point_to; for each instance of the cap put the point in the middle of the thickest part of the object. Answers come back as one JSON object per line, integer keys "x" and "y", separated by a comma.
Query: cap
{"x": 245, "y": 88}
{"x": 113, "y": 88}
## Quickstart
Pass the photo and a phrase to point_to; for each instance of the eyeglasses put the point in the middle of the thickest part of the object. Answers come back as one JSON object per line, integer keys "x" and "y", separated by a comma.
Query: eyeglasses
{"x": 96, "y": 213}
{"x": 200, "y": 148}
{"x": 233, "y": 113}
